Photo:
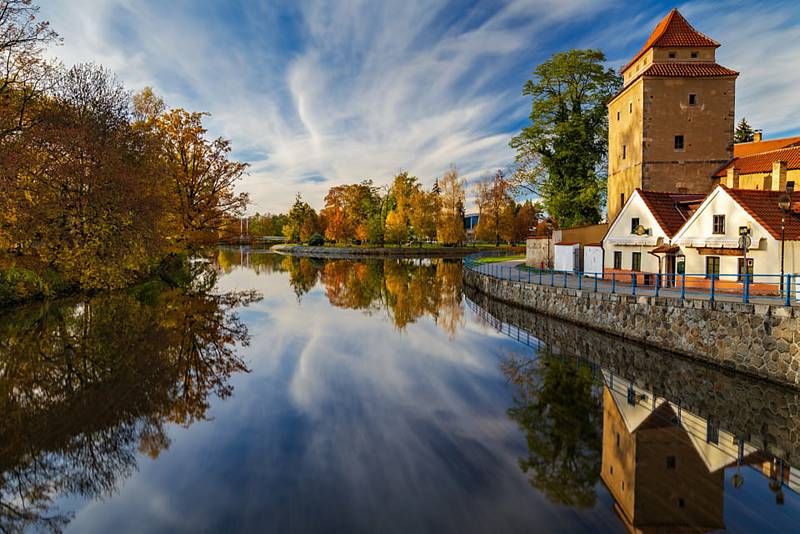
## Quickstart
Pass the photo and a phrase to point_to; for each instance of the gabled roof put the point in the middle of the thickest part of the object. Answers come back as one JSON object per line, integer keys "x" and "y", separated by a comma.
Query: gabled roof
{"x": 670, "y": 210}
{"x": 762, "y": 161}
{"x": 689, "y": 70}
{"x": 763, "y": 207}
{"x": 741, "y": 150}
{"x": 673, "y": 31}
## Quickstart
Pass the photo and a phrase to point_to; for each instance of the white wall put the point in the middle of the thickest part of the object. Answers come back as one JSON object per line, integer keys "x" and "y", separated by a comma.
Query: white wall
{"x": 565, "y": 257}
{"x": 621, "y": 228}
{"x": 593, "y": 260}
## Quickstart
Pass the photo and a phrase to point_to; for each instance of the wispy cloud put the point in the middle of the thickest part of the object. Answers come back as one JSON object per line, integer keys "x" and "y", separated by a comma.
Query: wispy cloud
{"x": 318, "y": 93}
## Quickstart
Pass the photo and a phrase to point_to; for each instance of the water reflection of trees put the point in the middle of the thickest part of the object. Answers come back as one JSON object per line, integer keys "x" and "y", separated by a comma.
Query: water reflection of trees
{"x": 86, "y": 383}
{"x": 559, "y": 409}
{"x": 406, "y": 289}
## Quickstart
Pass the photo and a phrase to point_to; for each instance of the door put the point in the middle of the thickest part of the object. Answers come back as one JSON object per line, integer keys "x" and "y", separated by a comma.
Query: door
{"x": 669, "y": 270}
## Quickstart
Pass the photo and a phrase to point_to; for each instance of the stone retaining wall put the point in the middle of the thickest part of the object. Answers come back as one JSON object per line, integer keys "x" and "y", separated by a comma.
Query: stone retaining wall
{"x": 378, "y": 252}
{"x": 758, "y": 339}
{"x": 763, "y": 413}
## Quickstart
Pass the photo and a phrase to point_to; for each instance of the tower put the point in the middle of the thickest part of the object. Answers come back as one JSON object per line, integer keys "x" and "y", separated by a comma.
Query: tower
{"x": 671, "y": 126}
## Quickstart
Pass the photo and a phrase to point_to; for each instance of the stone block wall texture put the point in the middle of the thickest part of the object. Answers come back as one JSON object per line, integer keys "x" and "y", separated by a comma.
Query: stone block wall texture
{"x": 757, "y": 339}
{"x": 763, "y": 413}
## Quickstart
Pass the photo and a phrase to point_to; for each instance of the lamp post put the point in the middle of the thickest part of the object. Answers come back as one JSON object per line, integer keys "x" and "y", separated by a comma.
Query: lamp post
{"x": 784, "y": 203}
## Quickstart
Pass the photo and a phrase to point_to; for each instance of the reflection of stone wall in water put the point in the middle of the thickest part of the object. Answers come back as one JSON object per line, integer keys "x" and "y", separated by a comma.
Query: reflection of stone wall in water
{"x": 85, "y": 384}
{"x": 757, "y": 339}
{"x": 764, "y": 414}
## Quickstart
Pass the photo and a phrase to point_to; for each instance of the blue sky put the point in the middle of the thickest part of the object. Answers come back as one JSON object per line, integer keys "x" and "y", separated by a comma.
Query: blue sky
{"x": 314, "y": 94}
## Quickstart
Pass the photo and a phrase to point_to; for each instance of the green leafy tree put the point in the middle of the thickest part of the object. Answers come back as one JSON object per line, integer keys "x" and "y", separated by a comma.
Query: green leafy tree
{"x": 562, "y": 154}
{"x": 744, "y": 132}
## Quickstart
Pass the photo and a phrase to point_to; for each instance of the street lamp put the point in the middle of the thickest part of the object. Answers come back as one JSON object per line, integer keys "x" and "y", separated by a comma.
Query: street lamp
{"x": 784, "y": 203}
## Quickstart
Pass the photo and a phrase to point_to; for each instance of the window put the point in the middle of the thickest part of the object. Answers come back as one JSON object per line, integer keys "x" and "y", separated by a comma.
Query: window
{"x": 631, "y": 396}
{"x": 712, "y": 433}
{"x": 630, "y": 107}
{"x": 678, "y": 142}
{"x": 634, "y": 224}
{"x": 617, "y": 259}
{"x": 624, "y": 151}
{"x": 681, "y": 502}
{"x": 712, "y": 266}
{"x": 692, "y": 99}
{"x": 672, "y": 55}
{"x": 695, "y": 55}
{"x": 621, "y": 200}
{"x": 742, "y": 270}
{"x": 670, "y": 462}
{"x": 719, "y": 224}
{"x": 636, "y": 261}
{"x": 617, "y": 115}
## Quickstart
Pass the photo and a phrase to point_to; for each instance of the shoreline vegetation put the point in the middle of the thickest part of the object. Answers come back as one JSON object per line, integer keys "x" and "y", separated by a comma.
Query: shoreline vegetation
{"x": 100, "y": 188}
{"x": 411, "y": 251}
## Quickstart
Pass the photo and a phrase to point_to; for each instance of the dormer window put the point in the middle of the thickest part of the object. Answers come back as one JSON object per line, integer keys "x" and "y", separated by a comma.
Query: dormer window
{"x": 673, "y": 55}
{"x": 695, "y": 55}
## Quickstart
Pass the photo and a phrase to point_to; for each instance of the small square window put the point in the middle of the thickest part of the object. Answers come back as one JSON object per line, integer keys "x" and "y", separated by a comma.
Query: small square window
{"x": 679, "y": 142}
{"x": 673, "y": 55}
{"x": 670, "y": 462}
{"x": 719, "y": 224}
{"x": 695, "y": 55}
{"x": 692, "y": 99}
{"x": 681, "y": 503}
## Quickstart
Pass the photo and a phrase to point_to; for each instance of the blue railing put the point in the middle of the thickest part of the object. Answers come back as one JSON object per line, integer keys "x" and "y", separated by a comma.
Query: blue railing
{"x": 767, "y": 288}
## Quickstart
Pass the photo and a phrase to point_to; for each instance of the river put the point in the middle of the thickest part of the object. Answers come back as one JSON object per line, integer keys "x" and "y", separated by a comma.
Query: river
{"x": 278, "y": 394}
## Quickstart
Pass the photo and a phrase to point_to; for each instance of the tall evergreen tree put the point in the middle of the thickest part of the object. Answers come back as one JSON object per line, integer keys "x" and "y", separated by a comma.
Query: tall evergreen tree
{"x": 744, "y": 132}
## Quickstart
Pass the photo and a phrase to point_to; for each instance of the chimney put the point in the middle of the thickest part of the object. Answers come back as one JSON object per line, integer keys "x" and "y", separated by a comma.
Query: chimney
{"x": 778, "y": 175}
{"x": 732, "y": 179}
{"x": 757, "y": 136}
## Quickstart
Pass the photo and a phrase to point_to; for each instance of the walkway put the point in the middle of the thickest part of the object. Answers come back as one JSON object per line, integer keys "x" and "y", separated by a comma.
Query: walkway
{"x": 515, "y": 270}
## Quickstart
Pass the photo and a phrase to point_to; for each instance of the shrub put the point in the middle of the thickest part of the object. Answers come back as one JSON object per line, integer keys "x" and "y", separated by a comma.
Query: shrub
{"x": 19, "y": 284}
{"x": 316, "y": 240}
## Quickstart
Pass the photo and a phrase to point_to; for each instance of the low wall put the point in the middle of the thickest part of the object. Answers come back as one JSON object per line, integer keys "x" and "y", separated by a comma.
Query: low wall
{"x": 757, "y": 339}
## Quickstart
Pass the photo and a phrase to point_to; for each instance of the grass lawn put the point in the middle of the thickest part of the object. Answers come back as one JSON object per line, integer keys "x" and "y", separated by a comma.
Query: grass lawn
{"x": 495, "y": 259}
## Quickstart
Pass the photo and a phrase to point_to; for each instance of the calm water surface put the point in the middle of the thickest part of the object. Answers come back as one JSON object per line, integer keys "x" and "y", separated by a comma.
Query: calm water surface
{"x": 302, "y": 395}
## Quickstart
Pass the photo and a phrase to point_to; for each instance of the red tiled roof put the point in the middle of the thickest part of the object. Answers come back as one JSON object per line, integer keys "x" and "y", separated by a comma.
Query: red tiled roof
{"x": 762, "y": 161}
{"x": 567, "y": 243}
{"x": 689, "y": 70}
{"x": 763, "y": 207}
{"x": 670, "y": 210}
{"x": 673, "y": 31}
{"x": 741, "y": 150}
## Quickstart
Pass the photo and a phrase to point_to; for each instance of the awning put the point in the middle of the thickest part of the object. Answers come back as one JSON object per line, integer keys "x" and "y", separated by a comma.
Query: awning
{"x": 635, "y": 240}
{"x": 665, "y": 249}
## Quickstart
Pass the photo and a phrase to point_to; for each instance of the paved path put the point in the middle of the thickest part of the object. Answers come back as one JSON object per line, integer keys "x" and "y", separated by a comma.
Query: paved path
{"x": 511, "y": 270}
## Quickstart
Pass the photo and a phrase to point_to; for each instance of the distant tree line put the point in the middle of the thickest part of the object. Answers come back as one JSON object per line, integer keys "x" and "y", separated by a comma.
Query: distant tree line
{"x": 97, "y": 185}
{"x": 405, "y": 212}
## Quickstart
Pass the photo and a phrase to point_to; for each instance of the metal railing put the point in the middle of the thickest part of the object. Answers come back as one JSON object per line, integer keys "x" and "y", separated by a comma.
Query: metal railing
{"x": 746, "y": 288}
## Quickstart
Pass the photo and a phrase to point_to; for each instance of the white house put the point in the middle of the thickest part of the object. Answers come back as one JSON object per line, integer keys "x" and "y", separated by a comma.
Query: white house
{"x": 710, "y": 239}
{"x": 640, "y": 238}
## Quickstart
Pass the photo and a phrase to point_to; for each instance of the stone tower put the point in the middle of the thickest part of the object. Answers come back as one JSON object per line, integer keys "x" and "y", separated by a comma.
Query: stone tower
{"x": 671, "y": 126}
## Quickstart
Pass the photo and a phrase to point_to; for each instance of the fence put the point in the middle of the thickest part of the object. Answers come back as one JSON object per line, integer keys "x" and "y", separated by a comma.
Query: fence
{"x": 745, "y": 287}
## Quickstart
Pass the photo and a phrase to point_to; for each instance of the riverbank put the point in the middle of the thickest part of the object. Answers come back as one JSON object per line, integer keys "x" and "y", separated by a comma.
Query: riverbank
{"x": 756, "y": 339}
{"x": 385, "y": 252}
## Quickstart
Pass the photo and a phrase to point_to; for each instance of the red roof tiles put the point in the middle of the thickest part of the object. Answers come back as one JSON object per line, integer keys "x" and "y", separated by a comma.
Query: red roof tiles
{"x": 673, "y": 31}
{"x": 689, "y": 70}
{"x": 763, "y": 207}
{"x": 741, "y": 150}
{"x": 762, "y": 161}
{"x": 670, "y": 210}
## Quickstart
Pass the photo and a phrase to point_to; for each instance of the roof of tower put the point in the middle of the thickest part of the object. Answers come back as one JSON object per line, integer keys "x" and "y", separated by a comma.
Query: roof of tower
{"x": 673, "y": 31}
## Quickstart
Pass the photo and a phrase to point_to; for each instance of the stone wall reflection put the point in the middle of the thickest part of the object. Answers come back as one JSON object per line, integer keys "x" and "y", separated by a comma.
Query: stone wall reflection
{"x": 87, "y": 383}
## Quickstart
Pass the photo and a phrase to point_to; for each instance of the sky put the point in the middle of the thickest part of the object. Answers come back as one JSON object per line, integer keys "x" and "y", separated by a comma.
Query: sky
{"x": 315, "y": 94}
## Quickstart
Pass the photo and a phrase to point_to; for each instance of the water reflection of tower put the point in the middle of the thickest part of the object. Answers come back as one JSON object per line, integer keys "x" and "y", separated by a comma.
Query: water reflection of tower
{"x": 657, "y": 475}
